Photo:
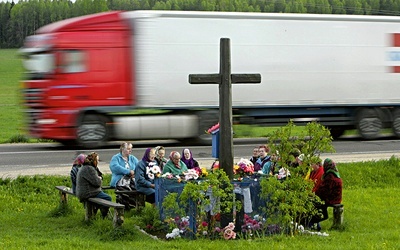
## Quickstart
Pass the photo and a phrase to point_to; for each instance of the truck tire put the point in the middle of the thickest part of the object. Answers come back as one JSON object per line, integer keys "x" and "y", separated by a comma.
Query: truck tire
{"x": 369, "y": 124}
{"x": 92, "y": 131}
{"x": 396, "y": 123}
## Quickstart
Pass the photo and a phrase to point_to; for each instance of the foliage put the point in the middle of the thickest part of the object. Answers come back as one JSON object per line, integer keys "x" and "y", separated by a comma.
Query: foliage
{"x": 21, "y": 19}
{"x": 197, "y": 194}
{"x": 149, "y": 219}
{"x": 291, "y": 200}
{"x": 18, "y": 139}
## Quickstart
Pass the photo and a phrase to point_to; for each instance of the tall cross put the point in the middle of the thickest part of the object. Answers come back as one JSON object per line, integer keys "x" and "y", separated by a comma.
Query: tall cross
{"x": 225, "y": 80}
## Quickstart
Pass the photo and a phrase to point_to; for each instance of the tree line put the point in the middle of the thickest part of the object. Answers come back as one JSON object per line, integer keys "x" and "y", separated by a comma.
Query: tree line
{"x": 21, "y": 19}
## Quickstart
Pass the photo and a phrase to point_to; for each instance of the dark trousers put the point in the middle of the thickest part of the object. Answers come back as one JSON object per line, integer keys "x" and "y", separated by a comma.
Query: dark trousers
{"x": 322, "y": 210}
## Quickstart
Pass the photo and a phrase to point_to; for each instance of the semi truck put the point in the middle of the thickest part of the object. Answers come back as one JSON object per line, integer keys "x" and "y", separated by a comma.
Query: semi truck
{"x": 124, "y": 75}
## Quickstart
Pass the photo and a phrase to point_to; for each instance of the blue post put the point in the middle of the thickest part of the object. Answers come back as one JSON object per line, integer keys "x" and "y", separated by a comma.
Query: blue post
{"x": 192, "y": 219}
{"x": 215, "y": 144}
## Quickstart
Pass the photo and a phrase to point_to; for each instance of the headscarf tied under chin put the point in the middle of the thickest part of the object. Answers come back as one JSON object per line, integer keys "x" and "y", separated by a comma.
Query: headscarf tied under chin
{"x": 189, "y": 162}
{"x": 80, "y": 159}
{"x": 145, "y": 157}
{"x": 171, "y": 158}
{"x": 330, "y": 167}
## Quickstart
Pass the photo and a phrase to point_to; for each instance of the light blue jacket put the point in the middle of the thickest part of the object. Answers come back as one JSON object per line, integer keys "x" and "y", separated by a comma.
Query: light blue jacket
{"x": 118, "y": 169}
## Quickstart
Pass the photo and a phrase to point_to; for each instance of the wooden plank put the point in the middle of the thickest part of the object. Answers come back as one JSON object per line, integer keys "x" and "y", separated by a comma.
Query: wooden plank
{"x": 65, "y": 189}
{"x": 106, "y": 203}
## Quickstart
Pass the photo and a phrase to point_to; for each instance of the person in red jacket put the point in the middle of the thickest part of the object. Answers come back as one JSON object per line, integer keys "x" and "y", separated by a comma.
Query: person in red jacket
{"x": 316, "y": 174}
{"x": 329, "y": 190}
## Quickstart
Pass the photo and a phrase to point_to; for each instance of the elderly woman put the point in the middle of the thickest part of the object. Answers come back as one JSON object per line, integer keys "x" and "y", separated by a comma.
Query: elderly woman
{"x": 76, "y": 165}
{"x": 122, "y": 164}
{"x": 88, "y": 182}
{"x": 144, "y": 177}
{"x": 160, "y": 156}
{"x": 329, "y": 190}
{"x": 188, "y": 159}
{"x": 175, "y": 166}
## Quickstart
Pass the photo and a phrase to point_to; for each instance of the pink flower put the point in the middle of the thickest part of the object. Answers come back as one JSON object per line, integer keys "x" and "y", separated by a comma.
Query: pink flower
{"x": 229, "y": 234}
{"x": 204, "y": 224}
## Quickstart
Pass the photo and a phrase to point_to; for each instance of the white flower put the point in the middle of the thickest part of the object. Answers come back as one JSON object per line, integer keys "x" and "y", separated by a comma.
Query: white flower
{"x": 175, "y": 233}
{"x": 152, "y": 170}
{"x": 191, "y": 174}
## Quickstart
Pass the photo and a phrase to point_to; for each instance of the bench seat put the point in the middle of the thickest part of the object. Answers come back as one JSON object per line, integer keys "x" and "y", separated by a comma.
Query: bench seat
{"x": 90, "y": 205}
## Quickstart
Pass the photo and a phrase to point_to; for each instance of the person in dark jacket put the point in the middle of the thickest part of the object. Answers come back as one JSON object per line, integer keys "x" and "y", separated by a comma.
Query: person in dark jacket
{"x": 76, "y": 165}
{"x": 88, "y": 182}
{"x": 329, "y": 190}
{"x": 144, "y": 177}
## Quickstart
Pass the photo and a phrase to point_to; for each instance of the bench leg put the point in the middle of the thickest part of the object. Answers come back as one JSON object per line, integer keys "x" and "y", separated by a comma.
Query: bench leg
{"x": 337, "y": 216}
{"x": 89, "y": 210}
{"x": 63, "y": 198}
{"x": 118, "y": 218}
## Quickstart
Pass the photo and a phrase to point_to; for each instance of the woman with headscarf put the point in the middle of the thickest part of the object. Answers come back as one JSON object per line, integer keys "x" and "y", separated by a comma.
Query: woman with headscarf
{"x": 76, "y": 165}
{"x": 144, "y": 177}
{"x": 160, "y": 156}
{"x": 329, "y": 190}
{"x": 188, "y": 159}
{"x": 175, "y": 166}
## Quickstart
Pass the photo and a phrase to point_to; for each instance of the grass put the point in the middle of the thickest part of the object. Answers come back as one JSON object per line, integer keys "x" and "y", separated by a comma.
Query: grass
{"x": 371, "y": 219}
{"x": 11, "y": 115}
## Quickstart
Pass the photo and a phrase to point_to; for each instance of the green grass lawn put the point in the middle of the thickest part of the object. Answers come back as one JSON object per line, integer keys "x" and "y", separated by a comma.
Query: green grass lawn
{"x": 11, "y": 115}
{"x": 371, "y": 218}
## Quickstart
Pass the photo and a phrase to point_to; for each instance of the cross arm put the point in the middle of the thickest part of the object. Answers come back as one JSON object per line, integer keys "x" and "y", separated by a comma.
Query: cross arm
{"x": 205, "y": 78}
{"x": 246, "y": 78}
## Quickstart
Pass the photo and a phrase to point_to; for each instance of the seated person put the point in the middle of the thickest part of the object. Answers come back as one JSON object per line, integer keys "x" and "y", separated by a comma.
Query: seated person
{"x": 188, "y": 159}
{"x": 122, "y": 164}
{"x": 76, "y": 165}
{"x": 175, "y": 166}
{"x": 88, "y": 182}
{"x": 143, "y": 178}
{"x": 329, "y": 190}
{"x": 264, "y": 160}
{"x": 160, "y": 156}
{"x": 255, "y": 156}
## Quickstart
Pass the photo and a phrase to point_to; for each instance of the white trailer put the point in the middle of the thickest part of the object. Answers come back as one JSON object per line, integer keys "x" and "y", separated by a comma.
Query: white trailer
{"x": 340, "y": 70}
{"x": 337, "y": 69}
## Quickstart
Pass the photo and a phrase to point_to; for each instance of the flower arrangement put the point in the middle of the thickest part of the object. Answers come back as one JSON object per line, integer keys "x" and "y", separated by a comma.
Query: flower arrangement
{"x": 191, "y": 174}
{"x": 153, "y": 171}
{"x": 228, "y": 232}
{"x": 170, "y": 176}
{"x": 243, "y": 167}
{"x": 204, "y": 230}
{"x": 213, "y": 129}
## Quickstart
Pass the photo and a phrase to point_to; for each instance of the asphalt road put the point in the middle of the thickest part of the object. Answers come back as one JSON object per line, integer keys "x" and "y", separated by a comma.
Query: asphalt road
{"x": 51, "y": 158}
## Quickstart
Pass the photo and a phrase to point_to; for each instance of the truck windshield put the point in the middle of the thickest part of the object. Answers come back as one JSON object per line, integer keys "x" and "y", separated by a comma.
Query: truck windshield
{"x": 38, "y": 65}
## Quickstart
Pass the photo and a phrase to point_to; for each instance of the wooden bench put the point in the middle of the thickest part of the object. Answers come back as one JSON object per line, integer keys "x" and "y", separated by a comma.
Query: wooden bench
{"x": 90, "y": 204}
{"x": 139, "y": 199}
{"x": 338, "y": 210}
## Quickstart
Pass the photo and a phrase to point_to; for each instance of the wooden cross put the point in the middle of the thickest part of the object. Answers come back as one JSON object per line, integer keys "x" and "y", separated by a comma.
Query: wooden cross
{"x": 225, "y": 80}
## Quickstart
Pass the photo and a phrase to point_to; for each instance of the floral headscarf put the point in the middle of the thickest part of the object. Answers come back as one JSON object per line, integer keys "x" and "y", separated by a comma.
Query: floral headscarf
{"x": 330, "y": 167}
{"x": 171, "y": 157}
{"x": 80, "y": 159}
{"x": 190, "y": 163}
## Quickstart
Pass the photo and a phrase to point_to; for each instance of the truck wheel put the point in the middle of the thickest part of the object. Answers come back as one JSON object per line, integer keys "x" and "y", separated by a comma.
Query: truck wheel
{"x": 92, "y": 131}
{"x": 396, "y": 123}
{"x": 369, "y": 124}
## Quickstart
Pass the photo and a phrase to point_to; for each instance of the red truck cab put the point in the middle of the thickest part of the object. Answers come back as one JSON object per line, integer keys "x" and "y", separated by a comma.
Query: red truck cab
{"x": 78, "y": 69}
